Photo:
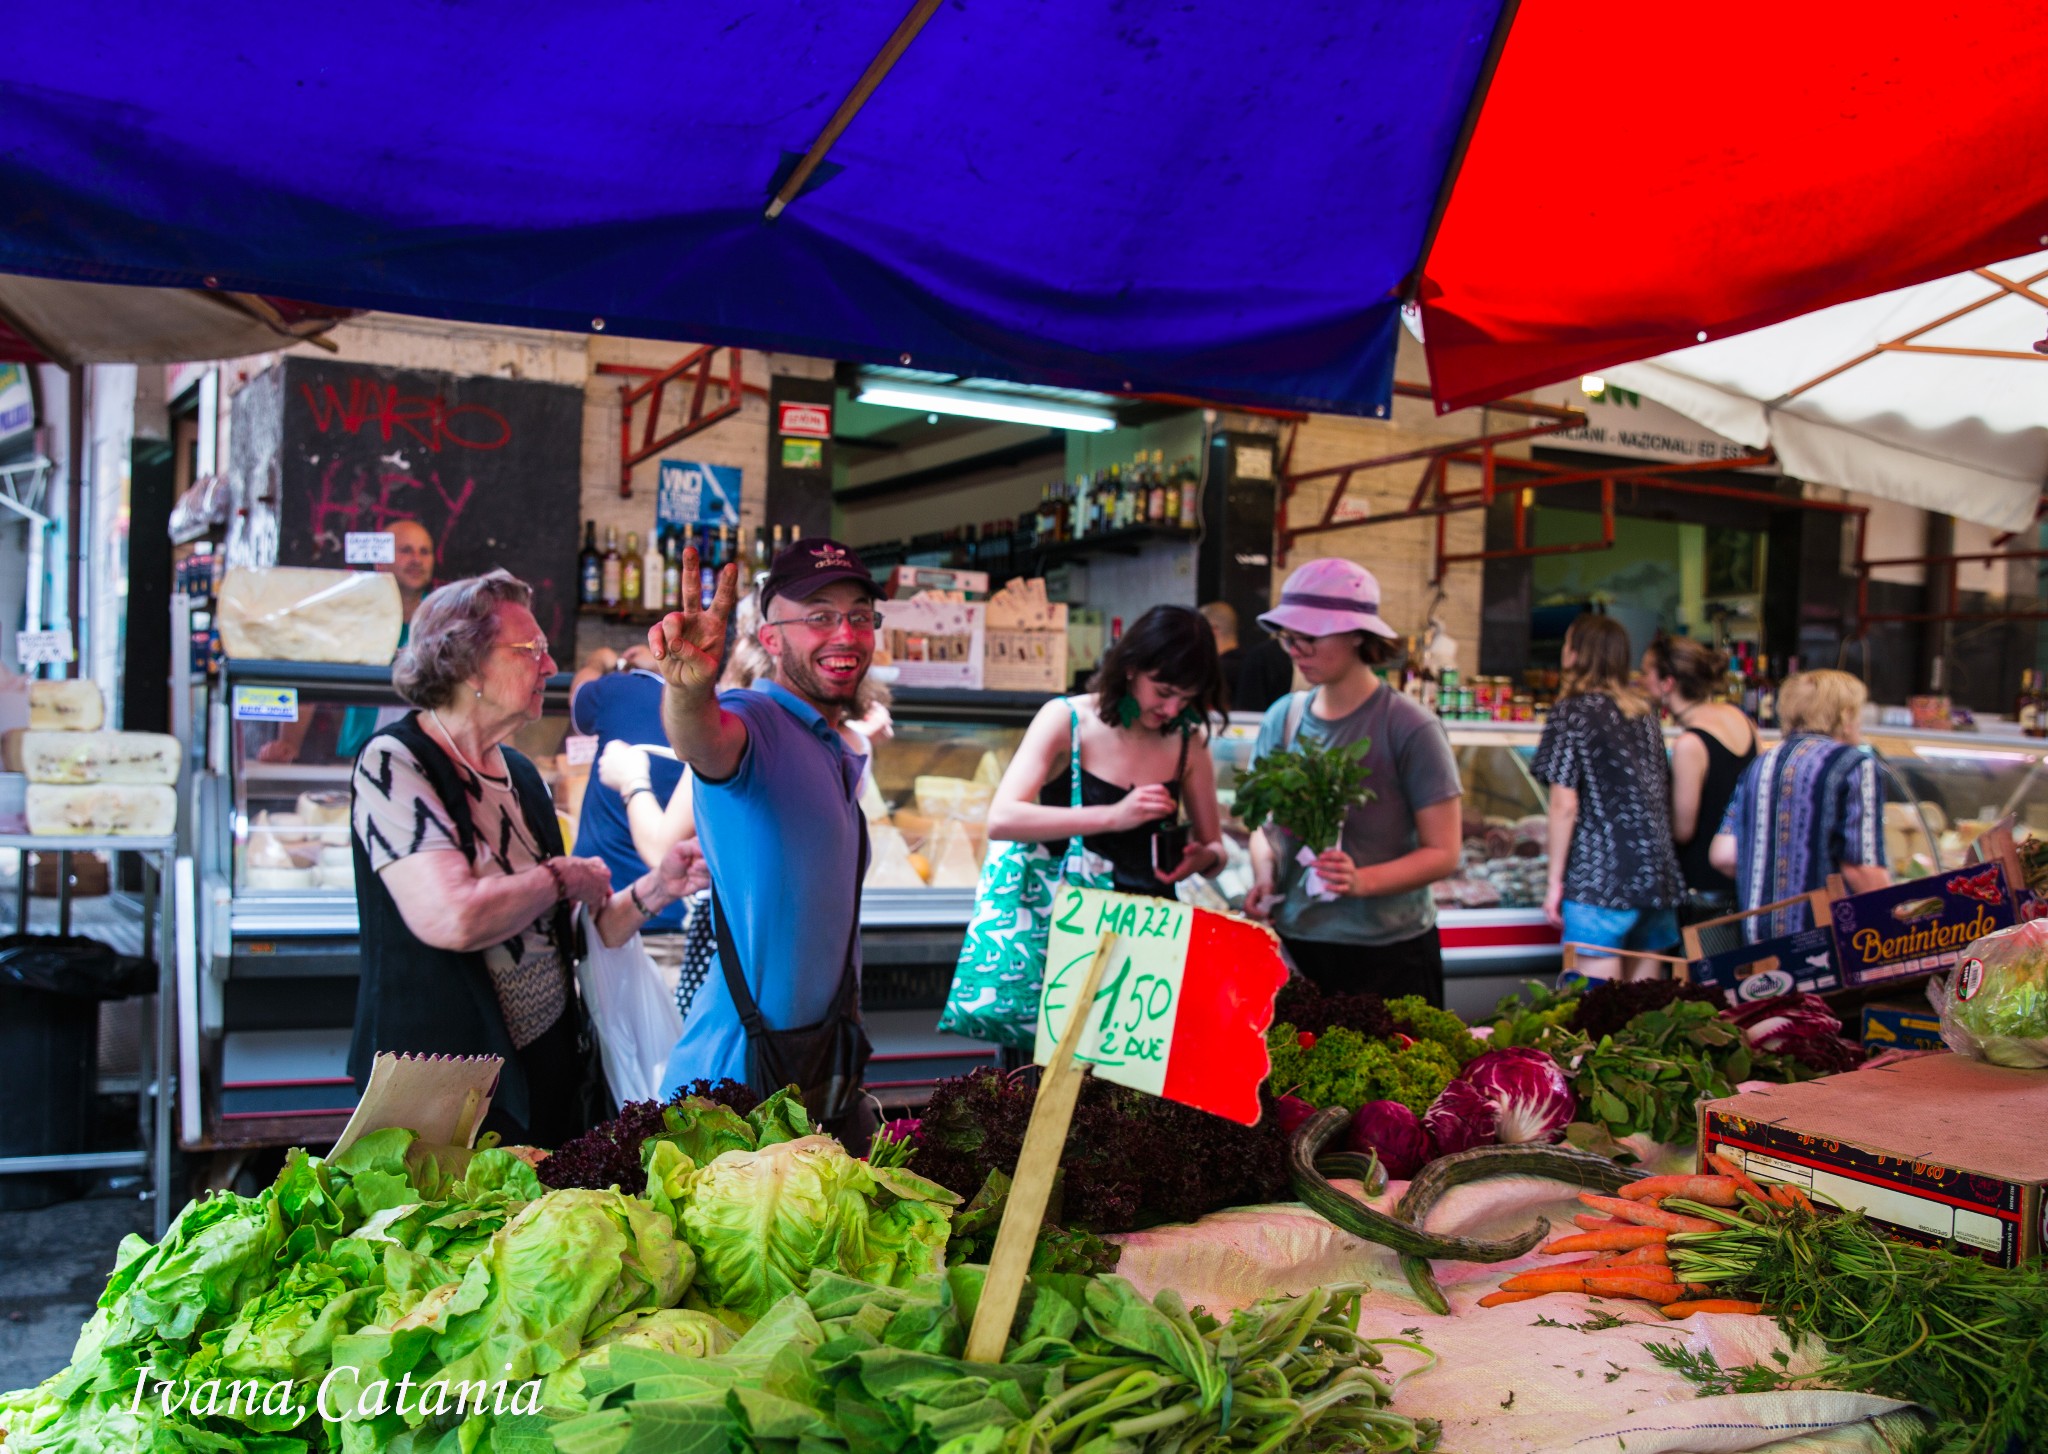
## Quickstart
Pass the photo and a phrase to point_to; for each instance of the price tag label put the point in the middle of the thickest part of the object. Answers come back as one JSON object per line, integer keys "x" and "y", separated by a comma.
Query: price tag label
{"x": 370, "y": 547}
{"x": 266, "y": 704}
{"x": 39, "y": 648}
{"x": 1184, "y": 1004}
{"x": 579, "y": 751}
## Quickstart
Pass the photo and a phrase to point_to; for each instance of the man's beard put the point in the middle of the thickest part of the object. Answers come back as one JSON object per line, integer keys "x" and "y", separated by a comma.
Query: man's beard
{"x": 799, "y": 674}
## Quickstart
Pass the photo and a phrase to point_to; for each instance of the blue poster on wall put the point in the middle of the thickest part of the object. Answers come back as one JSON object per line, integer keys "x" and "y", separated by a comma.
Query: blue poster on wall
{"x": 695, "y": 495}
{"x": 17, "y": 403}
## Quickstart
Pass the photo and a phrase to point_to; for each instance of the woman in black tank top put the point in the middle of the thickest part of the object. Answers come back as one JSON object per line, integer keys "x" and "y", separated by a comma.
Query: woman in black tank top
{"x": 1682, "y": 675}
{"x": 1127, "y": 760}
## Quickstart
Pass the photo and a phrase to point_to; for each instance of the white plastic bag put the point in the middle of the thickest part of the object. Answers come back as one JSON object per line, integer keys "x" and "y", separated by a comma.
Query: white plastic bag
{"x": 632, "y": 1011}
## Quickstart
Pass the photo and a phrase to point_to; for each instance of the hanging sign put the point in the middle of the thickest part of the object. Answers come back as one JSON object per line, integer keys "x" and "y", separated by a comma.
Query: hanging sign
{"x": 40, "y": 648}
{"x": 1183, "y": 1007}
{"x": 1919, "y": 926}
{"x": 370, "y": 547}
{"x": 813, "y": 421}
{"x": 693, "y": 495}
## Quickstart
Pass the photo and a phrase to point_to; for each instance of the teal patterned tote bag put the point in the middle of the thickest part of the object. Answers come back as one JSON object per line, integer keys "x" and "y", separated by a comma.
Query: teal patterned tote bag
{"x": 1002, "y": 963}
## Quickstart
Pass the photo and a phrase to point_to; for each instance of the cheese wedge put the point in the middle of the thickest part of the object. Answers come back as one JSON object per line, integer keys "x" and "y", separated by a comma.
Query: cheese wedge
{"x": 67, "y": 706}
{"x": 141, "y": 810}
{"x": 293, "y": 613}
{"x": 91, "y": 757}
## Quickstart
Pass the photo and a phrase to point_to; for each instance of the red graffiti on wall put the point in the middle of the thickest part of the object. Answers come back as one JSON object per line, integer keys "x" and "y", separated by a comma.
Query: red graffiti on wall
{"x": 376, "y": 503}
{"x": 432, "y": 421}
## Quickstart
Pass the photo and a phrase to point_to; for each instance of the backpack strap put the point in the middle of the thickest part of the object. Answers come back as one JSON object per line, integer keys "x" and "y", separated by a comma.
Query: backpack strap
{"x": 1297, "y": 705}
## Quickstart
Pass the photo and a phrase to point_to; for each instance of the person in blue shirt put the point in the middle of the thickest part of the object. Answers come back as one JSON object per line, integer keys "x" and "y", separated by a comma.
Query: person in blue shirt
{"x": 617, "y": 698}
{"x": 776, "y": 794}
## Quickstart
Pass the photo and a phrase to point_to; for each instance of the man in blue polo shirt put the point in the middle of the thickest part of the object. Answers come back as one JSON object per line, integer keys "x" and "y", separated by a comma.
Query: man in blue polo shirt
{"x": 778, "y": 812}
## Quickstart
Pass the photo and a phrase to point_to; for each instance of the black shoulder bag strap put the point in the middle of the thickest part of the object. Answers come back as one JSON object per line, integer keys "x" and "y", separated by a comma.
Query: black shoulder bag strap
{"x": 446, "y": 781}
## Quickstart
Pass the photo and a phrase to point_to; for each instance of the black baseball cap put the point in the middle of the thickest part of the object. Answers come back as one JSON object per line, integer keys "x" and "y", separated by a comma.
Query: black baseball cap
{"x": 807, "y": 567}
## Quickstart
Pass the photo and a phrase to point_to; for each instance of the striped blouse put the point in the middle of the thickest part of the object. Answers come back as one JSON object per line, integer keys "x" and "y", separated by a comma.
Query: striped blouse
{"x": 1802, "y": 810}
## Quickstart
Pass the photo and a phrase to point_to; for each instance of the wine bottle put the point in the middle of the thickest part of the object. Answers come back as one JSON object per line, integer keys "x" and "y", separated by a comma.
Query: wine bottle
{"x": 590, "y": 567}
{"x": 629, "y": 571}
{"x": 671, "y": 574}
{"x": 613, "y": 567}
{"x": 650, "y": 575}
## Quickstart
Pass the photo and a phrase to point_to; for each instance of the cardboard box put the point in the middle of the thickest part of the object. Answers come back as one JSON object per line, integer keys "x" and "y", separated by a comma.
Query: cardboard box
{"x": 932, "y": 643}
{"x": 1935, "y": 1149}
{"x": 908, "y": 580}
{"x": 1920, "y": 926}
{"x": 1025, "y": 661}
{"x": 1901, "y": 1027}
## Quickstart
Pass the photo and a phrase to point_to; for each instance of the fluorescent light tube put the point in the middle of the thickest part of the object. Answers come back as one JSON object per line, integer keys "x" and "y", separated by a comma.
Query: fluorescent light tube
{"x": 1008, "y": 408}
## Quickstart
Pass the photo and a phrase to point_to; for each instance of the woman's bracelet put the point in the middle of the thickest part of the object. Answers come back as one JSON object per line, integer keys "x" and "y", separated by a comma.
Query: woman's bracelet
{"x": 635, "y": 791}
{"x": 633, "y": 893}
{"x": 561, "y": 883}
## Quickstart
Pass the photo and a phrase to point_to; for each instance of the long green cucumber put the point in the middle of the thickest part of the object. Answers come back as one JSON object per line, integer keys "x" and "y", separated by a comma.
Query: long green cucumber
{"x": 1355, "y": 1217}
{"x": 1351, "y": 1166}
{"x": 1558, "y": 1163}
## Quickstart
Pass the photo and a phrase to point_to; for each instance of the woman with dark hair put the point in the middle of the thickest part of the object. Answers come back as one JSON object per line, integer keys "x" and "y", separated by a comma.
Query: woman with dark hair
{"x": 1374, "y": 926}
{"x": 1614, "y": 878}
{"x": 1717, "y": 742}
{"x": 1136, "y": 745}
{"x": 463, "y": 892}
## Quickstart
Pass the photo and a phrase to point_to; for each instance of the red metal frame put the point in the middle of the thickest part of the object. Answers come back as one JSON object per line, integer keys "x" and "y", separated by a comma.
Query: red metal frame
{"x": 653, "y": 384}
{"x": 1954, "y": 594}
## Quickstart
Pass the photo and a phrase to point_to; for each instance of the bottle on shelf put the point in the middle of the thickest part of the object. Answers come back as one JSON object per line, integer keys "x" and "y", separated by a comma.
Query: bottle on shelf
{"x": 775, "y": 545}
{"x": 650, "y": 576}
{"x": 707, "y": 571}
{"x": 2029, "y": 708}
{"x": 1190, "y": 485}
{"x": 590, "y": 567}
{"x": 629, "y": 572}
{"x": 671, "y": 574}
{"x": 1171, "y": 484}
{"x": 613, "y": 568}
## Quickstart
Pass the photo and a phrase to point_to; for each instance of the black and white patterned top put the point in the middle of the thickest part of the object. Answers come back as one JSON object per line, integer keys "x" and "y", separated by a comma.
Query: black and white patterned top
{"x": 1621, "y": 854}
{"x": 397, "y": 814}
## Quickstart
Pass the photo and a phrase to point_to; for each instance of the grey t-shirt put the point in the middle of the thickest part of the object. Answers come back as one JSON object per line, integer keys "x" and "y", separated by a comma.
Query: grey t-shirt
{"x": 1411, "y": 767}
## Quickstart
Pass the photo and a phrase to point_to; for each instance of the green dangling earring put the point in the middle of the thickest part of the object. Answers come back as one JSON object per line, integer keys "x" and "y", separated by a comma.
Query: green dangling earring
{"x": 1127, "y": 710}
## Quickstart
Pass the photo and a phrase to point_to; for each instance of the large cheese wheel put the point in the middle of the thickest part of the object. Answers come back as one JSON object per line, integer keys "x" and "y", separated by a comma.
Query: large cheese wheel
{"x": 68, "y": 706}
{"x": 292, "y": 613}
{"x": 142, "y": 810}
{"x": 92, "y": 757}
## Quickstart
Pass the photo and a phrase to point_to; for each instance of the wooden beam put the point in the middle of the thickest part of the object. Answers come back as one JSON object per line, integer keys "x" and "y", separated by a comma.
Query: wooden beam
{"x": 890, "y": 53}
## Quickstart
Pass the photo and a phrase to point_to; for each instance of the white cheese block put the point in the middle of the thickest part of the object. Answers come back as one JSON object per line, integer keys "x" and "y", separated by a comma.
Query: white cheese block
{"x": 142, "y": 810}
{"x": 67, "y": 706}
{"x": 952, "y": 855}
{"x": 293, "y": 613}
{"x": 281, "y": 878}
{"x": 889, "y": 862}
{"x": 92, "y": 757}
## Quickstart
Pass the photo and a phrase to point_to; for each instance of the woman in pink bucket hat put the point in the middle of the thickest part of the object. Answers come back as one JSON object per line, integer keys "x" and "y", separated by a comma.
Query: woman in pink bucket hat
{"x": 1370, "y": 923}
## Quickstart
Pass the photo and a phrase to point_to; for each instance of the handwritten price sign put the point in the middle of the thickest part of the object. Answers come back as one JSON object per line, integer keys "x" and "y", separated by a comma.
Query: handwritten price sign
{"x": 1182, "y": 1010}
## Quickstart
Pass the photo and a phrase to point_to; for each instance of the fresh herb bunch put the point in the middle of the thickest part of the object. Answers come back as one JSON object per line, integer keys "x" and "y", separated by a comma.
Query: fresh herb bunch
{"x": 1342, "y": 1068}
{"x": 609, "y": 1154}
{"x": 1961, "y": 1338}
{"x": 1306, "y": 789}
{"x": 1648, "y": 1078}
{"x": 1058, "y": 1249}
{"x": 1418, "y": 1019}
{"x": 1131, "y": 1160}
{"x": 1606, "y": 1009}
{"x": 1538, "y": 1020}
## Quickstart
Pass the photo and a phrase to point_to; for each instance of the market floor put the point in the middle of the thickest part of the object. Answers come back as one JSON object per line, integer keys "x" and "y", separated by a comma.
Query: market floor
{"x": 53, "y": 1264}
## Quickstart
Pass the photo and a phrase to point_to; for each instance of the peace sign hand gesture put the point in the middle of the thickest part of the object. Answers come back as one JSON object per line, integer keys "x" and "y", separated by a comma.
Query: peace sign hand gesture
{"x": 689, "y": 643}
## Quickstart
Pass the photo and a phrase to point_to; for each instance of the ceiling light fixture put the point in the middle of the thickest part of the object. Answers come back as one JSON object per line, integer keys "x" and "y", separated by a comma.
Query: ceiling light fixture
{"x": 1005, "y": 408}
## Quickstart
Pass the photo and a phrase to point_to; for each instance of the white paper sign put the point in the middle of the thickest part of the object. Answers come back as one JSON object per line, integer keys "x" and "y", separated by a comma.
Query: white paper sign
{"x": 579, "y": 750}
{"x": 371, "y": 547}
{"x": 1131, "y": 1038}
{"x": 39, "y": 647}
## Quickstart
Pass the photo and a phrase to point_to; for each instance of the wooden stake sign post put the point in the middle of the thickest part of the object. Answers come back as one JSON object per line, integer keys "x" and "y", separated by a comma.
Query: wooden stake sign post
{"x": 1173, "y": 1001}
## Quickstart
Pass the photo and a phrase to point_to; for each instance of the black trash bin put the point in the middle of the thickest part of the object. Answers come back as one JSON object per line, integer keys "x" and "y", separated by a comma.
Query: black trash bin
{"x": 50, "y": 991}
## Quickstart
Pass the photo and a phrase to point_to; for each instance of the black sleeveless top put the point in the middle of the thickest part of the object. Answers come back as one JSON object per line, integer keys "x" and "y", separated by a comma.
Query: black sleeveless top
{"x": 1128, "y": 850}
{"x": 1724, "y": 771}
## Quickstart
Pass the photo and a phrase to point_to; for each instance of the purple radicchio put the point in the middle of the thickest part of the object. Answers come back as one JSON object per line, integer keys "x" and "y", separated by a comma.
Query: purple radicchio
{"x": 1461, "y": 1117}
{"x": 1799, "y": 1025}
{"x": 1395, "y": 1133}
{"x": 1532, "y": 1100}
{"x": 1292, "y": 1113}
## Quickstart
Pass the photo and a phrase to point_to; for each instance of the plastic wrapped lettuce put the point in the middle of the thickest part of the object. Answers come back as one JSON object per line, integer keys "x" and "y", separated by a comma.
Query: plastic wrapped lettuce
{"x": 1995, "y": 1006}
{"x": 762, "y": 1221}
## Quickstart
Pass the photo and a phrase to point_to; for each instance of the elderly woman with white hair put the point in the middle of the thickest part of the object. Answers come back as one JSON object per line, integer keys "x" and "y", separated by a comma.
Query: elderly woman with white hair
{"x": 464, "y": 893}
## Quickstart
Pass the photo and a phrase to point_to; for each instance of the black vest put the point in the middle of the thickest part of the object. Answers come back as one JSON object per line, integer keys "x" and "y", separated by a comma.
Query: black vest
{"x": 413, "y": 997}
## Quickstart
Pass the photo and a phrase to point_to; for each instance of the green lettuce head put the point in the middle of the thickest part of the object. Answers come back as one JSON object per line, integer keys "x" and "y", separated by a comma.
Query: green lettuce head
{"x": 762, "y": 1221}
{"x": 1995, "y": 1006}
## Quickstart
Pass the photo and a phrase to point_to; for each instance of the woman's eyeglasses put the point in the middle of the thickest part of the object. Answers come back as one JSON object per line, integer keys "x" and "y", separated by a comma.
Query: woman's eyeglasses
{"x": 535, "y": 651}
{"x": 1294, "y": 643}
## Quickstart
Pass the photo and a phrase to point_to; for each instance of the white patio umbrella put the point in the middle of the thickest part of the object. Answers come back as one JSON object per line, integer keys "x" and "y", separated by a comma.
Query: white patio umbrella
{"x": 1934, "y": 395}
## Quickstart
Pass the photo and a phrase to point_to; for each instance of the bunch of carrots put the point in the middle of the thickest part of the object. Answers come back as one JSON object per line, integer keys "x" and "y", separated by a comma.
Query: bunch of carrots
{"x": 1627, "y": 1237}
